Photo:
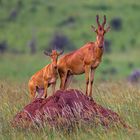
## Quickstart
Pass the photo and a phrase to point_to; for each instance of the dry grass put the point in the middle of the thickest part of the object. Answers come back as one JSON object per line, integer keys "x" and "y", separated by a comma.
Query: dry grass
{"x": 120, "y": 97}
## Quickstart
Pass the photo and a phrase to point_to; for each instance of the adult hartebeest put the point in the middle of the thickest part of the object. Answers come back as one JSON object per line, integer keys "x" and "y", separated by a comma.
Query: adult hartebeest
{"x": 84, "y": 60}
{"x": 47, "y": 76}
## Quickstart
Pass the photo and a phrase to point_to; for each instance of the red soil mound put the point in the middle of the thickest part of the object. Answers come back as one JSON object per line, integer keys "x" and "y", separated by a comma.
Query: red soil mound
{"x": 64, "y": 109}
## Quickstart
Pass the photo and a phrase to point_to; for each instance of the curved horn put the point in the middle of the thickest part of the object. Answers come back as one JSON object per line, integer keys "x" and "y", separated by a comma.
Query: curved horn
{"x": 104, "y": 22}
{"x": 97, "y": 20}
{"x": 61, "y": 52}
{"x": 46, "y": 53}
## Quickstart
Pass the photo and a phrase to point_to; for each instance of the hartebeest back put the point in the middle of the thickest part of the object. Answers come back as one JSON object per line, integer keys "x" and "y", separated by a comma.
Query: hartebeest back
{"x": 84, "y": 60}
{"x": 47, "y": 76}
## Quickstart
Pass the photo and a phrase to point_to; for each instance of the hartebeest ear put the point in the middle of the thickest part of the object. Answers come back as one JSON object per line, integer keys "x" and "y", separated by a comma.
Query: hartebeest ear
{"x": 107, "y": 29}
{"x": 61, "y": 52}
{"x": 94, "y": 29}
{"x": 46, "y": 53}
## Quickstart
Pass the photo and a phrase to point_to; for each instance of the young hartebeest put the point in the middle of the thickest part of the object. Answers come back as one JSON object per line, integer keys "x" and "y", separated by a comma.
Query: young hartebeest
{"x": 47, "y": 76}
{"x": 84, "y": 60}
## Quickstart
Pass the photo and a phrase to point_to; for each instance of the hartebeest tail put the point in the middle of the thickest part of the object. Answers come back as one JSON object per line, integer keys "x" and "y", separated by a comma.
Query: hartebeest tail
{"x": 84, "y": 60}
{"x": 47, "y": 76}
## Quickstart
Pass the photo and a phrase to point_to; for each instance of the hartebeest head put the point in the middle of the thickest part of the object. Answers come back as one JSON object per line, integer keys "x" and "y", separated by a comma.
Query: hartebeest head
{"x": 54, "y": 56}
{"x": 100, "y": 31}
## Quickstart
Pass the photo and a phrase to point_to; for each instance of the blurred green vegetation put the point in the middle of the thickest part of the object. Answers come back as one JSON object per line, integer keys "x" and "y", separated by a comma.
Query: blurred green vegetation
{"x": 114, "y": 66}
{"x": 21, "y": 21}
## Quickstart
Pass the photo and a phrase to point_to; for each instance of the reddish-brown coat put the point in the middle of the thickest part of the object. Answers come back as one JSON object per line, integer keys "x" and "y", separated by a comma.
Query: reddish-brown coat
{"x": 84, "y": 60}
{"x": 45, "y": 77}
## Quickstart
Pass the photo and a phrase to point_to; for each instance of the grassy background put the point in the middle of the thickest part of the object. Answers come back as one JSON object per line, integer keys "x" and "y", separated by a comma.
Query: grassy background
{"x": 43, "y": 19}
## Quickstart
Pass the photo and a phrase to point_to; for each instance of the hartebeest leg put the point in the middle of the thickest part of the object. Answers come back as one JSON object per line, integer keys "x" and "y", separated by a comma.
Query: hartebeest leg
{"x": 68, "y": 81}
{"x": 53, "y": 87}
{"x": 91, "y": 82}
{"x": 32, "y": 90}
{"x": 63, "y": 77}
{"x": 32, "y": 93}
{"x": 87, "y": 70}
{"x": 45, "y": 89}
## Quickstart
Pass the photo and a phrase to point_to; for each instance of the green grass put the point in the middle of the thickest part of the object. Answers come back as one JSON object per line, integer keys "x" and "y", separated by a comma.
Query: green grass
{"x": 35, "y": 19}
{"x": 121, "y": 98}
{"x": 22, "y": 67}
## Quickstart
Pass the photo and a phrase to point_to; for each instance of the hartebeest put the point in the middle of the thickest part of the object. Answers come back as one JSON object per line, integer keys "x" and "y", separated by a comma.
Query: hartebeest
{"x": 47, "y": 76}
{"x": 84, "y": 60}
